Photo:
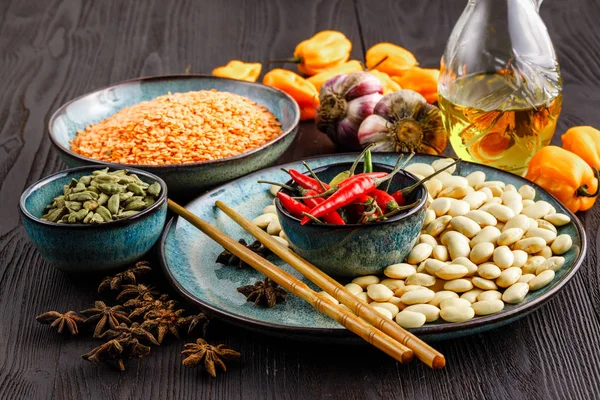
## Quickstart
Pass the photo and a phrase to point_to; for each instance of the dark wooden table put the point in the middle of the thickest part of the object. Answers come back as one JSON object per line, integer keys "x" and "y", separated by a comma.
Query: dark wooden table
{"x": 52, "y": 51}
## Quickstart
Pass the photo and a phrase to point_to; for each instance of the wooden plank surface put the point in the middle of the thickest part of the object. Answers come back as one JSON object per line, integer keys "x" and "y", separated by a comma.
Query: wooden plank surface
{"x": 55, "y": 50}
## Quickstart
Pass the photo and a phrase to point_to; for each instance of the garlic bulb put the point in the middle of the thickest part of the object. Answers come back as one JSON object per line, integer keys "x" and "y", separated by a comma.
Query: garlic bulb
{"x": 345, "y": 101}
{"x": 403, "y": 121}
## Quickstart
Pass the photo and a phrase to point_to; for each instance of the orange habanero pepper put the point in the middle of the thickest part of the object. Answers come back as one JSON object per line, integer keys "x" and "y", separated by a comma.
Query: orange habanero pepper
{"x": 566, "y": 176}
{"x": 324, "y": 51}
{"x": 389, "y": 86}
{"x": 398, "y": 59}
{"x": 346, "y": 68}
{"x": 585, "y": 142}
{"x": 296, "y": 86}
{"x": 239, "y": 70}
{"x": 421, "y": 80}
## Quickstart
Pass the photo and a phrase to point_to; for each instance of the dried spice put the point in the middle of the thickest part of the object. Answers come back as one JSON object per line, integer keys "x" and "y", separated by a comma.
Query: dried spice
{"x": 124, "y": 344}
{"x": 70, "y": 319}
{"x": 104, "y": 315}
{"x": 128, "y": 276}
{"x": 200, "y": 320}
{"x": 141, "y": 307}
{"x": 139, "y": 291}
{"x": 228, "y": 258}
{"x": 264, "y": 293}
{"x": 212, "y": 357}
{"x": 164, "y": 321}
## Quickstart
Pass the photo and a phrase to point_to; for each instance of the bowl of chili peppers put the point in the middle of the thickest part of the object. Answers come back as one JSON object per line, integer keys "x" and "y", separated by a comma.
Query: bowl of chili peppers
{"x": 351, "y": 224}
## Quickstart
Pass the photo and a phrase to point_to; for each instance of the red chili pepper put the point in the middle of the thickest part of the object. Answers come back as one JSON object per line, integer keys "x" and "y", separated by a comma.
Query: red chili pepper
{"x": 353, "y": 177}
{"x": 384, "y": 200}
{"x": 307, "y": 182}
{"x": 331, "y": 218}
{"x": 294, "y": 207}
{"x": 401, "y": 195}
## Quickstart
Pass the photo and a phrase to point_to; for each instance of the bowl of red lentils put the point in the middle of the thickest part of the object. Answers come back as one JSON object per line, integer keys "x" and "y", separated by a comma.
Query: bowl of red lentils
{"x": 193, "y": 131}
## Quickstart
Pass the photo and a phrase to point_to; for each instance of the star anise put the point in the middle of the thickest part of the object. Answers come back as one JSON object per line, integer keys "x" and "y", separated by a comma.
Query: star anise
{"x": 201, "y": 320}
{"x": 104, "y": 314}
{"x": 212, "y": 357}
{"x": 264, "y": 293}
{"x": 139, "y": 291}
{"x": 130, "y": 276}
{"x": 164, "y": 321}
{"x": 70, "y": 319}
{"x": 124, "y": 344}
{"x": 141, "y": 307}
{"x": 228, "y": 258}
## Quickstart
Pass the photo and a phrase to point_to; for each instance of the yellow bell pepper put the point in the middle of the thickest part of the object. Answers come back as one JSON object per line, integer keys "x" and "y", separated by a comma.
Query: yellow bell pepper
{"x": 565, "y": 175}
{"x": 389, "y": 86}
{"x": 398, "y": 59}
{"x": 297, "y": 87}
{"x": 322, "y": 52}
{"x": 585, "y": 142}
{"x": 346, "y": 68}
{"x": 421, "y": 80}
{"x": 239, "y": 70}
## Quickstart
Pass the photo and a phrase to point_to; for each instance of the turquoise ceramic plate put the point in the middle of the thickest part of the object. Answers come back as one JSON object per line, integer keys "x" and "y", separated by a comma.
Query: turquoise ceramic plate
{"x": 188, "y": 258}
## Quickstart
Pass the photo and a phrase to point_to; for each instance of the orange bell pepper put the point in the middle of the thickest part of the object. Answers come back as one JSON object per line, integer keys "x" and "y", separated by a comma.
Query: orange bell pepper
{"x": 585, "y": 142}
{"x": 239, "y": 70}
{"x": 346, "y": 68}
{"x": 566, "y": 176}
{"x": 300, "y": 89}
{"x": 389, "y": 86}
{"x": 324, "y": 51}
{"x": 398, "y": 59}
{"x": 421, "y": 80}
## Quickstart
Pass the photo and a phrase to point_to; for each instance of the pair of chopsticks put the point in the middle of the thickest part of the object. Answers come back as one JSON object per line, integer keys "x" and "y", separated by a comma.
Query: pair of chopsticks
{"x": 360, "y": 318}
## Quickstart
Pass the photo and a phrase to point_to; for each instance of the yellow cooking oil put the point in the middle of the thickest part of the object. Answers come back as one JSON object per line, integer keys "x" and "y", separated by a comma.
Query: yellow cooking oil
{"x": 496, "y": 120}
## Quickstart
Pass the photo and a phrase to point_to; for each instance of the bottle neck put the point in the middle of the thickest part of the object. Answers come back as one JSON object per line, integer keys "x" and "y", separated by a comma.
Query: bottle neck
{"x": 536, "y": 3}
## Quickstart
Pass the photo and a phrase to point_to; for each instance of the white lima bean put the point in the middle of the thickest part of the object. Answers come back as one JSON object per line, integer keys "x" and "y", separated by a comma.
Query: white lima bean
{"x": 419, "y": 253}
{"x": 558, "y": 219}
{"x": 489, "y": 295}
{"x": 541, "y": 280}
{"x": 274, "y": 227}
{"x": 455, "y": 192}
{"x": 483, "y": 218}
{"x": 501, "y": 212}
{"x": 379, "y": 292}
{"x": 466, "y": 226}
{"x": 481, "y": 252}
{"x": 441, "y": 206}
{"x": 537, "y": 210}
{"x": 503, "y": 257}
{"x": 489, "y": 271}
{"x": 430, "y": 240}
{"x": 518, "y": 221}
{"x": 363, "y": 298}
{"x": 475, "y": 199}
{"x": 532, "y": 264}
{"x": 528, "y": 203}
{"x": 508, "y": 277}
{"x": 442, "y": 295}
{"x": 471, "y": 266}
{"x": 487, "y": 307}
{"x": 484, "y": 284}
{"x": 452, "y": 181}
{"x": 442, "y": 163}
{"x": 488, "y": 193}
{"x": 546, "y": 252}
{"x": 354, "y": 288}
{"x": 510, "y": 236}
{"x": 508, "y": 197}
{"x": 432, "y": 313}
{"x": 516, "y": 293}
{"x": 457, "y": 314}
{"x": 429, "y": 217}
{"x": 542, "y": 223}
{"x": 452, "y": 271}
{"x": 394, "y": 309}
{"x": 520, "y": 258}
{"x": 516, "y": 206}
{"x": 393, "y": 284}
{"x": 410, "y": 319}
{"x": 454, "y": 302}
{"x": 440, "y": 252}
{"x": 407, "y": 288}
{"x": 471, "y": 295}
{"x": 432, "y": 265}
{"x": 433, "y": 186}
{"x": 270, "y": 209}
{"x": 458, "y": 248}
{"x": 554, "y": 263}
{"x": 545, "y": 234}
{"x": 476, "y": 178}
{"x": 420, "y": 296}
{"x": 527, "y": 192}
{"x": 487, "y": 234}
{"x": 458, "y": 285}
{"x": 420, "y": 279}
{"x": 384, "y": 311}
{"x": 531, "y": 245}
{"x": 262, "y": 221}
{"x": 281, "y": 240}
{"x": 364, "y": 281}
{"x": 561, "y": 244}
{"x": 496, "y": 193}
{"x": 421, "y": 169}
{"x": 274, "y": 189}
{"x": 398, "y": 271}
{"x": 438, "y": 225}
{"x": 458, "y": 208}
{"x": 499, "y": 184}
{"x": 525, "y": 278}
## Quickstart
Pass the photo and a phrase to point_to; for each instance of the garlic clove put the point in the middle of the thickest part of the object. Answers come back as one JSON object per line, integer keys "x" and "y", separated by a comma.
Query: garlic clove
{"x": 361, "y": 107}
{"x": 360, "y": 84}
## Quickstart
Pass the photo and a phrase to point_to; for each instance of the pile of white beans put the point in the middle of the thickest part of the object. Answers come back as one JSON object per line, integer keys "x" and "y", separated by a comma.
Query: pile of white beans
{"x": 483, "y": 244}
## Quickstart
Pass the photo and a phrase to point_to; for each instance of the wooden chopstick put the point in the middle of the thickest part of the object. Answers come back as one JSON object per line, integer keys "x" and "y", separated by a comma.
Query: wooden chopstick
{"x": 343, "y": 316}
{"x": 422, "y": 350}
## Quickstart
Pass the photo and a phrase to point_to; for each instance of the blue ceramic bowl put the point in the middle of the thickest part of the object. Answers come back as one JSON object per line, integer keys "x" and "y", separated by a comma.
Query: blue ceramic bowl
{"x": 182, "y": 179}
{"x": 357, "y": 249}
{"x": 84, "y": 247}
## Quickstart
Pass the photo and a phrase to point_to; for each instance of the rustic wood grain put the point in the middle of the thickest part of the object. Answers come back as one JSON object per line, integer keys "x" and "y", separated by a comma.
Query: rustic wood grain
{"x": 55, "y": 50}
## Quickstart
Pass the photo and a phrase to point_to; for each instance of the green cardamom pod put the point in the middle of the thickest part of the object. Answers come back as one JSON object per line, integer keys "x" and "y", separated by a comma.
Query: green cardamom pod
{"x": 132, "y": 198}
{"x": 137, "y": 189}
{"x": 127, "y": 214}
{"x": 66, "y": 190}
{"x": 111, "y": 188}
{"x": 124, "y": 180}
{"x": 113, "y": 204}
{"x": 85, "y": 180}
{"x": 136, "y": 205}
{"x": 55, "y": 214}
{"x": 102, "y": 199}
{"x": 149, "y": 200}
{"x": 90, "y": 205}
{"x": 104, "y": 213}
{"x": 106, "y": 179}
{"x": 73, "y": 183}
{"x": 154, "y": 189}
{"x": 81, "y": 214}
{"x": 80, "y": 187}
{"x": 88, "y": 217}
{"x": 59, "y": 202}
{"x": 93, "y": 189}
{"x": 118, "y": 172}
{"x": 65, "y": 218}
{"x": 96, "y": 219}
{"x": 100, "y": 171}
{"x": 73, "y": 205}
{"x": 83, "y": 196}
{"x": 125, "y": 196}
{"x": 72, "y": 218}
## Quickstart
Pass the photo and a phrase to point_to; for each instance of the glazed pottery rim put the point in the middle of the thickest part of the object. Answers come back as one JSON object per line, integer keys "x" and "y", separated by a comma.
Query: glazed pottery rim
{"x": 396, "y": 218}
{"x": 440, "y": 328}
{"x": 50, "y": 178}
{"x": 176, "y": 77}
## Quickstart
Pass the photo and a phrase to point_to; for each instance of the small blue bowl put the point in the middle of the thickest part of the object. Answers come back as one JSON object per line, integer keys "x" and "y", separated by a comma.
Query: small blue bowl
{"x": 84, "y": 247}
{"x": 357, "y": 249}
{"x": 183, "y": 179}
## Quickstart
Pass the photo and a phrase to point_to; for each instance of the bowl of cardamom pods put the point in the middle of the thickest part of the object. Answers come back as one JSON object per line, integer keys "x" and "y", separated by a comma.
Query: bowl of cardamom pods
{"x": 89, "y": 219}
